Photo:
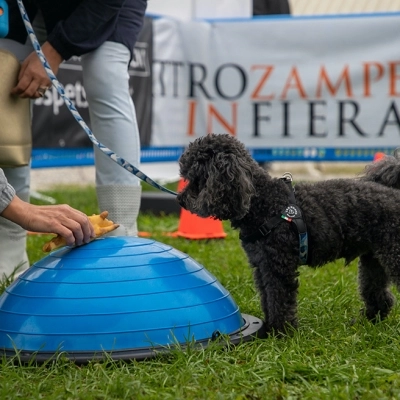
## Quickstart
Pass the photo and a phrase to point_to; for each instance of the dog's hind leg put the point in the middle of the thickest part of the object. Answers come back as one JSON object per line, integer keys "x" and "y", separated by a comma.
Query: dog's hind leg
{"x": 374, "y": 287}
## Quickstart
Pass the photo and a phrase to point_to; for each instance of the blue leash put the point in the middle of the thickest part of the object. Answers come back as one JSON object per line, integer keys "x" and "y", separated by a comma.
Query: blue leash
{"x": 60, "y": 89}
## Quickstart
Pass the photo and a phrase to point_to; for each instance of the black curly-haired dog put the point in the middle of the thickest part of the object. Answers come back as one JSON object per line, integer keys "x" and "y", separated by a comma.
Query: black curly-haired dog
{"x": 339, "y": 218}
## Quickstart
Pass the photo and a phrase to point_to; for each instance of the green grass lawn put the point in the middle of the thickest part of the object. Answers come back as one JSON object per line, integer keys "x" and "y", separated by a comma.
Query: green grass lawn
{"x": 333, "y": 354}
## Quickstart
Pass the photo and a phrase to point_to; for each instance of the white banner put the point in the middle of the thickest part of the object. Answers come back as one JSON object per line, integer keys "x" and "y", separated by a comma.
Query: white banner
{"x": 310, "y": 83}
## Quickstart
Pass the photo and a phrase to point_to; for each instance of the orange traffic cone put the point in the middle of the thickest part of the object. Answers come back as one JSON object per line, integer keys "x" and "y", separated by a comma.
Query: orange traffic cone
{"x": 192, "y": 226}
{"x": 378, "y": 156}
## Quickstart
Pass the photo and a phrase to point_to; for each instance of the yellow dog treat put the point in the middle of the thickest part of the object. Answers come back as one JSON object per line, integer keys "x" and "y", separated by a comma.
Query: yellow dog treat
{"x": 101, "y": 226}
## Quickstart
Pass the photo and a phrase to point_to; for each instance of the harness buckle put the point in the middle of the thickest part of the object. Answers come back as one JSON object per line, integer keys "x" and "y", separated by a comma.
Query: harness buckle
{"x": 264, "y": 230}
{"x": 287, "y": 178}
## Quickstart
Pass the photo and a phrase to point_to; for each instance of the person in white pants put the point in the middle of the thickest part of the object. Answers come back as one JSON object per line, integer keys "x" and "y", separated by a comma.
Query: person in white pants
{"x": 113, "y": 119}
{"x": 107, "y": 32}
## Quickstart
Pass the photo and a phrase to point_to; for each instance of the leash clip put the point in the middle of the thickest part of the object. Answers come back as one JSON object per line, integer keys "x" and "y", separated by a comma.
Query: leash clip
{"x": 287, "y": 177}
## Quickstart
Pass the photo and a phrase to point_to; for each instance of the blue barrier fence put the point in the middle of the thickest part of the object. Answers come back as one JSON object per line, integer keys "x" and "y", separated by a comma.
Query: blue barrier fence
{"x": 76, "y": 157}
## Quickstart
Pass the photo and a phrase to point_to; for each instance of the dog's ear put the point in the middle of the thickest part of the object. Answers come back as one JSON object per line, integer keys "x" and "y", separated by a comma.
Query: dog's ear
{"x": 228, "y": 190}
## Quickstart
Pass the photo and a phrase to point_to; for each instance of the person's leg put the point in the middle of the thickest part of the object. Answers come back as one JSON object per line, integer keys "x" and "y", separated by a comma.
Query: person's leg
{"x": 12, "y": 237}
{"x": 13, "y": 256}
{"x": 113, "y": 122}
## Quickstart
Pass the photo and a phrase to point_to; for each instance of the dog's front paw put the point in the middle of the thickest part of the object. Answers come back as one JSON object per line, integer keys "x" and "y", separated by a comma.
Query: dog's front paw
{"x": 285, "y": 329}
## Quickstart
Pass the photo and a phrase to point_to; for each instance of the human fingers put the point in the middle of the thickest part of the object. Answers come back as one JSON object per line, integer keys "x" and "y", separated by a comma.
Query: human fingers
{"x": 32, "y": 91}
{"x": 24, "y": 81}
{"x": 85, "y": 224}
{"x": 73, "y": 220}
{"x": 32, "y": 79}
{"x": 29, "y": 88}
{"x": 73, "y": 225}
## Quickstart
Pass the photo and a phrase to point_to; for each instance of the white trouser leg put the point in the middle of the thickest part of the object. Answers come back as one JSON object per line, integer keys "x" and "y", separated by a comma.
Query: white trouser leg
{"x": 122, "y": 203}
{"x": 113, "y": 122}
{"x": 12, "y": 237}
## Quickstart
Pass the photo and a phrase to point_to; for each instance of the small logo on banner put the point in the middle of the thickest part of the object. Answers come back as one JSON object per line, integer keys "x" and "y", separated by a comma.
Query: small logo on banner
{"x": 140, "y": 65}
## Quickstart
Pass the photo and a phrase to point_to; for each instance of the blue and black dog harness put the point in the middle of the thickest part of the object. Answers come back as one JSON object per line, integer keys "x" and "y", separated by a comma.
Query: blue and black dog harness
{"x": 292, "y": 214}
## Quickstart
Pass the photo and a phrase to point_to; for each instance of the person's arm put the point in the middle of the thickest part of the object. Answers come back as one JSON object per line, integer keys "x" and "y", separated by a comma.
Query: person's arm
{"x": 63, "y": 220}
{"x": 7, "y": 192}
{"x": 88, "y": 27}
{"x": 32, "y": 75}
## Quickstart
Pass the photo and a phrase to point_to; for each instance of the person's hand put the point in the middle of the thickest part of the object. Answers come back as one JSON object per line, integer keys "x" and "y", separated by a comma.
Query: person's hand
{"x": 32, "y": 79}
{"x": 101, "y": 226}
{"x": 63, "y": 220}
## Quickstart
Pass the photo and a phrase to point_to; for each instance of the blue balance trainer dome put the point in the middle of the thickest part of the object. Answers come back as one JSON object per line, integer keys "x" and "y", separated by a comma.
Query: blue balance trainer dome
{"x": 124, "y": 296}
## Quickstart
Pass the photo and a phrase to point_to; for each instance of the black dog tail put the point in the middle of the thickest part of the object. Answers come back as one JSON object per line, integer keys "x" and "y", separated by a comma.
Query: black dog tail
{"x": 385, "y": 171}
